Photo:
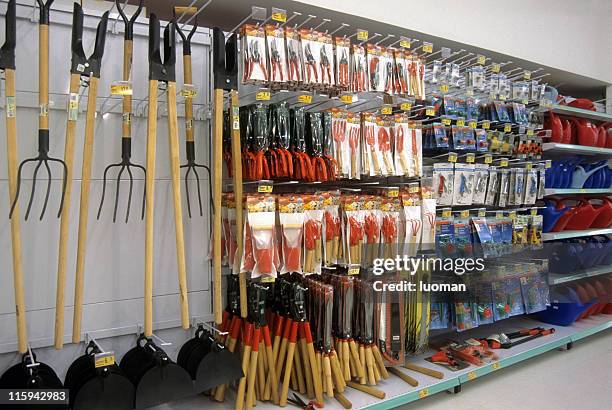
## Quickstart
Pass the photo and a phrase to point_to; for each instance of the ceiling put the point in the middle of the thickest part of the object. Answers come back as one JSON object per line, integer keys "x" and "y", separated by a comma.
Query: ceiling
{"x": 226, "y": 14}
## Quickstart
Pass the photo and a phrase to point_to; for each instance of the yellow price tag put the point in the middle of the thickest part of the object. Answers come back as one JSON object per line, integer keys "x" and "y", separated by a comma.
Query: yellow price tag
{"x": 191, "y": 93}
{"x": 472, "y": 124}
{"x": 469, "y": 92}
{"x": 452, "y": 157}
{"x": 268, "y": 279}
{"x": 405, "y": 43}
{"x": 104, "y": 361}
{"x": 446, "y": 213}
{"x": 353, "y": 271}
{"x": 527, "y": 75}
{"x": 495, "y": 68}
{"x": 460, "y": 122}
{"x": 362, "y": 35}
{"x": 507, "y": 127}
{"x": 472, "y": 375}
{"x": 264, "y": 189}
{"x": 263, "y": 96}
{"x": 405, "y": 106}
{"x": 481, "y": 59}
{"x": 530, "y": 132}
{"x": 423, "y": 393}
{"x": 470, "y": 158}
{"x": 430, "y": 112}
{"x": 496, "y": 366}
{"x": 486, "y": 125}
{"x": 279, "y": 16}
{"x": 504, "y": 162}
{"x": 413, "y": 189}
{"x": 529, "y": 166}
{"x": 305, "y": 98}
{"x": 548, "y": 164}
{"x": 444, "y": 88}
{"x": 488, "y": 159}
{"x": 499, "y": 214}
{"x": 502, "y": 98}
{"x": 386, "y": 110}
{"x": 482, "y": 213}
{"x": 446, "y": 121}
{"x": 427, "y": 47}
{"x": 346, "y": 98}
{"x": 464, "y": 214}
{"x": 121, "y": 89}
{"x": 533, "y": 211}
{"x": 512, "y": 215}
{"x": 393, "y": 193}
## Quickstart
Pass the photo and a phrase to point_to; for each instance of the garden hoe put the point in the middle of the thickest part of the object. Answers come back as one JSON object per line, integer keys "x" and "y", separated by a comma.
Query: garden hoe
{"x": 89, "y": 70}
{"x": 43, "y": 123}
{"x": 156, "y": 377}
{"x": 28, "y": 373}
{"x": 126, "y": 137}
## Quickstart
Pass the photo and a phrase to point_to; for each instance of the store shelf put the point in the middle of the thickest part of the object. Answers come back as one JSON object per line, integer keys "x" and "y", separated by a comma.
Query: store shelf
{"x": 399, "y": 393}
{"x": 557, "y": 278}
{"x": 555, "y": 191}
{"x": 577, "y": 112}
{"x": 569, "y": 149}
{"x": 551, "y": 236}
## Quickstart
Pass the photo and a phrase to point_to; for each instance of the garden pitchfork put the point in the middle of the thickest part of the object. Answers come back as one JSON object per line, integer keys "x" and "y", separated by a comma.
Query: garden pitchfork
{"x": 126, "y": 139}
{"x": 191, "y": 164}
{"x": 43, "y": 122}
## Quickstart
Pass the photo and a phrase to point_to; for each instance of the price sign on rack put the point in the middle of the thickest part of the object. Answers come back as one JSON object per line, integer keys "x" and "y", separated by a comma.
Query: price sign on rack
{"x": 305, "y": 98}
{"x": 495, "y": 68}
{"x": 427, "y": 48}
{"x": 470, "y": 158}
{"x": 507, "y": 127}
{"x": 405, "y": 42}
{"x": 481, "y": 59}
{"x": 405, "y": 106}
{"x": 446, "y": 121}
{"x": 472, "y": 124}
{"x": 443, "y": 88}
{"x": 362, "y": 35}
{"x": 104, "y": 359}
{"x": 460, "y": 122}
{"x": 430, "y": 112}
{"x": 346, "y": 98}
{"x": 486, "y": 125}
{"x": 386, "y": 109}
{"x": 121, "y": 88}
{"x": 262, "y": 96}
{"x": 279, "y": 15}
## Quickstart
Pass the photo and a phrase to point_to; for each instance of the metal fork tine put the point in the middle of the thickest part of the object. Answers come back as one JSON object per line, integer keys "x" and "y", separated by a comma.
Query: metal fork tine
{"x": 187, "y": 189}
{"x": 199, "y": 194}
{"x": 16, "y": 199}
{"x": 42, "y": 213}
{"x": 64, "y": 184}
{"x": 144, "y": 192}
{"x": 127, "y": 212}
{"x": 32, "y": 191}
{"x": 103, "y": 190}
{"x": 117, "y": 190}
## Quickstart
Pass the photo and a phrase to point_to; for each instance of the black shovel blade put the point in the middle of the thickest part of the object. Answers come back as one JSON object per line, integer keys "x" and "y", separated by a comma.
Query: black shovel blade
{"x": 18, "y": 377}
{"x": 162, "y": 384}
{"x": 114, "y": 391}
{"x": 218, "y": 367}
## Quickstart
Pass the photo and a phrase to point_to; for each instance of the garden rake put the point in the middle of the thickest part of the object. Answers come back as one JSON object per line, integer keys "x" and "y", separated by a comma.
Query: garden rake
{"x": 43, "y": 157}
{"x": 126, "y": 139}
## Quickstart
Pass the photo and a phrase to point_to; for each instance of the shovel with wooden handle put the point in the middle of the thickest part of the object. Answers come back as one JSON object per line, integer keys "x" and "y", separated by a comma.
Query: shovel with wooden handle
{"x": 92, "y": 66}
{"x": 225, "y": 73}
{"x": 7, "y": 64}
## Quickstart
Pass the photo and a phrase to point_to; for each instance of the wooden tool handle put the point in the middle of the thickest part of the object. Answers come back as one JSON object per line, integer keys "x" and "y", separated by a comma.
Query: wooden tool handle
{"x": 299, "y": 371}
{"x": 375, "y": 164}
{"x": 84, "y": 209}
{"x": 403, "y": 376}
{"x": 338, "y": 377}
{"x": 316, "y": 373}
{"x": 12, "y": 158}
{"x": 65, "y": 219}
{"x": 327, "y": 373}
{"x": 217, "y": 181}
{"x": 355, "y": 358}
{"x": 185, "y": 9}
{"x": 128, "y": 50}
{"x": 237, "y": 179}
{"x": 424, "y": 370}
{"x": 176, "y": 196}
{"x": 303, "y": 352}
{"x": 380, "y": 362}
{"x": 188, "y": 101}
{"x": 370, "y": 365}
{"x": 347, "y": 359}
{"x": 250, "y": 397}
{"x": 288, "y": 367}
{"x": 272, "y": 373}
{"x": 344, "y": 402}
{"x": 43, "y": 76}
{"x": 367, "y": 389}
{"x": 150, "y": 191}
{"x": 246, "y": 354}
{"x": 354, "y": 173}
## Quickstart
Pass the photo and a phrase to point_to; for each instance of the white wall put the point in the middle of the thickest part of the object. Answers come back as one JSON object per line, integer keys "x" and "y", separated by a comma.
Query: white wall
{"x": 570, "y": 35}
{"x": 114, "y": 269}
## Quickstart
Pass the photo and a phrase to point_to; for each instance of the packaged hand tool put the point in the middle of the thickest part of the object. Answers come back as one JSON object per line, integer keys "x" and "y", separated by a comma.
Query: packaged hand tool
{"x": 531, "y": 186}
{"x": 341, "y": 142}
{"x": 313, "y": 233}
{"x": 326, "y": 60}
{"x": 401, "y": 71}
{"x": 463, "y": 191}
{"x": 481, "y": 179}
{"x": 359, "y": 69}
{"x": 372, "y": 160}
{"x": 343, "y": 52}
{"x": 390, "y": 325}
{"x": 354, "y": 140}
{"x": 414, "y": 220}
{"x": 291, "y": 217}
{"x": 390, "y": 209}
{"x": 384, "y": 135}
{"x": 372, "y": 220}
{"x": 331, "y": 228}
{"x": 386, "y": 56}
{"x": 443, "y": 182}
{"x": 262, "y": 219}
{"x": 428, "y": 212}
{"x": 445, "y": 234}
{"x": 403, "y": 153}
{"x": 437, "y": 75}
{"x": 295, "y": 73}
{"x": 536, "y": 293}
{"x": 492, "y": 186}
{"x": 465, "y": 315}
{"x": 311, "y": 56}
{"x": 377, "y": 67}
{"x": 463, "y": 235}
{"x": 253, "y": 47}
{"x": 277, "y": 59}
{"x": 354, "y": 230}
{"x": 504, "y": 187}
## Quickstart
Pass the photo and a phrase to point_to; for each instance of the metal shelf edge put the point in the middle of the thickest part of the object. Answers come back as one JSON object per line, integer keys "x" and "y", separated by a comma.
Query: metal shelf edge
{"x": 557, "y": 278}
{"x": 551, "y": 236}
